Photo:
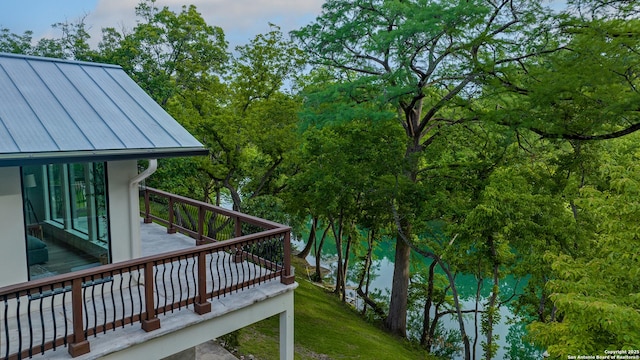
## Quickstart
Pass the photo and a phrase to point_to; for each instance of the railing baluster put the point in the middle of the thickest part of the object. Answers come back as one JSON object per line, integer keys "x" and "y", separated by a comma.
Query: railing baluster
{"x": 179, "y": 273}
{"x": 55, "y": 326}
{"x": 6, "y": 325}
{"x": 194, "y": 281}
{"x": 93, "y": 303}
{"x": 64, "y": 314}
{"x": 130, "y": 276}
{"x": 220, "y": 254}
{"x": 19, "y": 326}
{"x": 104, "y": 308}
{"x": 138, "y": 284}
{"x": 80, "y": 345}
{"x": 31, "y": 324}
{"x": 151, "y": 321}
{"x": 113, "y": 301}
{"x": 122, "y": 297}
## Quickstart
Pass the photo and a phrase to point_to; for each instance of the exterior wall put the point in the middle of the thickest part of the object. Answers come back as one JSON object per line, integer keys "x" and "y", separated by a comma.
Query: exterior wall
{"x": 124, "y": 210}
{"x": 13, "y": 255}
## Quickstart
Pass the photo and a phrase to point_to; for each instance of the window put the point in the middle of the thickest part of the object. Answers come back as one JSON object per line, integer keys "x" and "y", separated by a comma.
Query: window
{"x": 66, "y": 216}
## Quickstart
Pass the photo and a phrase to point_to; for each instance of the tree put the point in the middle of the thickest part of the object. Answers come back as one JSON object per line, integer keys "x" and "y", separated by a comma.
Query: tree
{"x": 253, "y": 136}
{"x": 595, "y": 290}
{"x": 343, "y": 182}
{"x": 73, "y": 43}
{"x": 426, "y": 60}
{"x": 167, "y": 53}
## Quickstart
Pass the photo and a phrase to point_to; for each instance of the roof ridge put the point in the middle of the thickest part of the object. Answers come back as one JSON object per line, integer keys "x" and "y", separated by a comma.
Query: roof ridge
{"x": 58, "y": 60}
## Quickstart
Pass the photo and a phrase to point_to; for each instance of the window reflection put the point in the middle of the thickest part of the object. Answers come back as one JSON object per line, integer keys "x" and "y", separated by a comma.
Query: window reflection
{"x": 66, "y": 217}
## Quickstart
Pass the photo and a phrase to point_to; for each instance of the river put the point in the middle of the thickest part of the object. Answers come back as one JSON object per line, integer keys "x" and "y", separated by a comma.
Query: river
{"x": 509, "y": 332}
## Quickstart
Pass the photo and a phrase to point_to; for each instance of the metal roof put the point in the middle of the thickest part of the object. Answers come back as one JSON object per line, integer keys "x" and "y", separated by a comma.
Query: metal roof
{"x": 54, "y": 110}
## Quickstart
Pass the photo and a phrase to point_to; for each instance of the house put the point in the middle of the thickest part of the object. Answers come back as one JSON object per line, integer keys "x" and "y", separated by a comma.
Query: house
{"x": 71, "y": 135}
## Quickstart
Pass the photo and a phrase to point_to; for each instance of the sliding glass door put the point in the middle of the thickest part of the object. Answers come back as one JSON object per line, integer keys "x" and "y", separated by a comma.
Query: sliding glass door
{"x": 66, "y": 216}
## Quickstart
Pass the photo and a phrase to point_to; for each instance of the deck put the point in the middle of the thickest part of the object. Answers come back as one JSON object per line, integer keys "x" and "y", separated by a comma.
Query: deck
{"x": 177, "y": 295}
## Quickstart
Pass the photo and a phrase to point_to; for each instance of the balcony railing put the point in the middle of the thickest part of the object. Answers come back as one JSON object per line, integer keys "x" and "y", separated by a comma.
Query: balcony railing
{"x": 68, "y": 310}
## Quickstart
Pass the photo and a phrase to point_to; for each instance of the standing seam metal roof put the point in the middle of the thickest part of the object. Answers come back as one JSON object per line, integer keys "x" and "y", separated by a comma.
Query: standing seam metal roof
{"x": 54, "y": 110}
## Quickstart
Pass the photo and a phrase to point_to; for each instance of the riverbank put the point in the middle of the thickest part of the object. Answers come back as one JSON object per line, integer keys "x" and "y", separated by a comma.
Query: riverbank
{"x": 325, "y": 328}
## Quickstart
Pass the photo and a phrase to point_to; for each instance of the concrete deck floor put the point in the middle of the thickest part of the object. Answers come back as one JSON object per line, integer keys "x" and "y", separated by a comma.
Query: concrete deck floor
{"x": 154, "y": 240}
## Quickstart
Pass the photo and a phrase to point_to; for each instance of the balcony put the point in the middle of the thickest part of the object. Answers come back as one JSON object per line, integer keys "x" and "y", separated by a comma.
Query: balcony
{"x": 205, "y": 271}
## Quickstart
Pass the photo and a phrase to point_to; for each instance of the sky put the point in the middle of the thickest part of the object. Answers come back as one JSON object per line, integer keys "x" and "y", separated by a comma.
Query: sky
{"x": 241, "y": 20}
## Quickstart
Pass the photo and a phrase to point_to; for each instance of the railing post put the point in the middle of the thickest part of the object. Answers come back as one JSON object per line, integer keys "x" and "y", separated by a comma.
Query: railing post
{"x": 286, "y": 277}
{"x": 147, "y": 207}
{"x": 151, "y": 322}
{"x": 201, "y": 211}
{"x": 238, "y": 229}
{"x": 201, "y": 305}
{"x": 171, "y": 229}
{"x": 80, "y": 345}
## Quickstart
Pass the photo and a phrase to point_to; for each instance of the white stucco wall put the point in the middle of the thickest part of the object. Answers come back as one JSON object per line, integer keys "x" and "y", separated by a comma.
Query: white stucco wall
{"x": 13, "y": 254}
{"x": 125, "y": 235}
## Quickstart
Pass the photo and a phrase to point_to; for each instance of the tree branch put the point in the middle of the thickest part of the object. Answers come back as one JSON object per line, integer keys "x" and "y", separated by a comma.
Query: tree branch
{"x": 616, "y": 134}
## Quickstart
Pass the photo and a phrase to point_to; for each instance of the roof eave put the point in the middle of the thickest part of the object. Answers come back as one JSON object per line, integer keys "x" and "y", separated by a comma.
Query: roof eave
{"x": 24, "y": 159}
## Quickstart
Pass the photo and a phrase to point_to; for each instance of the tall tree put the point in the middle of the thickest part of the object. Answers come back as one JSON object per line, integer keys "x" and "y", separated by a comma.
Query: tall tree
{"x": 595, "y": 288}
{"x": 426, "y": 59}
{"x": 167, "y": 53}
{"x": 253, "y": 136}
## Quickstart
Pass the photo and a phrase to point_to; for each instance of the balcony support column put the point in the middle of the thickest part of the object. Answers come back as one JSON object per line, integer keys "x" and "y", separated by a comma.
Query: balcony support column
{"x": 286, "y": 332}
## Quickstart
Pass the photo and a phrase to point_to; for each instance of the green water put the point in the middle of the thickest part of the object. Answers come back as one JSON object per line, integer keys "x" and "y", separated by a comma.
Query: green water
{"x": 510, "y": 333}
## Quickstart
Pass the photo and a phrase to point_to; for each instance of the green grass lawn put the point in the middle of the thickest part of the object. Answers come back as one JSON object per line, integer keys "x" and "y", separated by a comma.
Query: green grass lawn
{"x": 325, "y": 328}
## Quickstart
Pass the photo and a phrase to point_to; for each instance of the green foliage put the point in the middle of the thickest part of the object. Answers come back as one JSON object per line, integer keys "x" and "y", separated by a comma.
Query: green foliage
{"x": 596, "y": 291}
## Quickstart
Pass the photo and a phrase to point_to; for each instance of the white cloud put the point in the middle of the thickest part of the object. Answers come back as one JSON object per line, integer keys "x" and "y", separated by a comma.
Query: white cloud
{"x": 241, "y": 20}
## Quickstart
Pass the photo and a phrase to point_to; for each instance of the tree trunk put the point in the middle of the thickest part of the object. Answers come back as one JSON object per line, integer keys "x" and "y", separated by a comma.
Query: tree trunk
{"x": 480, "y": 281}
{"x": 457, "y": 306}
{"x": 345, "y": 267}
{"x": 425, "y": 339}
{"x": 319, "y": 254}
{"x": 491, "y": 315}
{"x": 235, "y": 196}
{"x": 337, "y": 234}
{"x": 365, "y": 271}
{"x": 396, "y": 320}
{"x": 312, "y": 238}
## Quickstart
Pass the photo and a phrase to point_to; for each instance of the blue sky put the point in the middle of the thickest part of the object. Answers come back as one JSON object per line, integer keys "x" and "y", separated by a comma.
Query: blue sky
{"x": 38, "y": 15}
{"x": 241, "y": 20}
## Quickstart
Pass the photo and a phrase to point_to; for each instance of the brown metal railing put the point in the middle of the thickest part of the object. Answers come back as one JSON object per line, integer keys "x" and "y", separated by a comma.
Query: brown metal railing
{"x": 202, "y": 221}
{"x": 67, "y": 310}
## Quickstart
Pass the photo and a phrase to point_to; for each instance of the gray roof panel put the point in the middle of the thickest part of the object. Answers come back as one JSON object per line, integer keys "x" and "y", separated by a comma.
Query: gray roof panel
{"x": 75, "y": 106}
{"x": 51, "y": 108}
{"x": 156, "y": 112}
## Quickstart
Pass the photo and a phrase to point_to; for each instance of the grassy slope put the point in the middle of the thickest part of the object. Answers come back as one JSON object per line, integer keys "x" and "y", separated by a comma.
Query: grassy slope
{"x": 325, "y": 328}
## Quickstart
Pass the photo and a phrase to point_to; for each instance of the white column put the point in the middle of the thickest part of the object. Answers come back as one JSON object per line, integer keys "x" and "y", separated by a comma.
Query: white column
{"x": 286, "y": 331}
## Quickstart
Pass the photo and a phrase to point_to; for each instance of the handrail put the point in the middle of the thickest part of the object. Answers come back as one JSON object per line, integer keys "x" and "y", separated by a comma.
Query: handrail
{"x": 231, "y": 213}
{"x": 139, "y": 290}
